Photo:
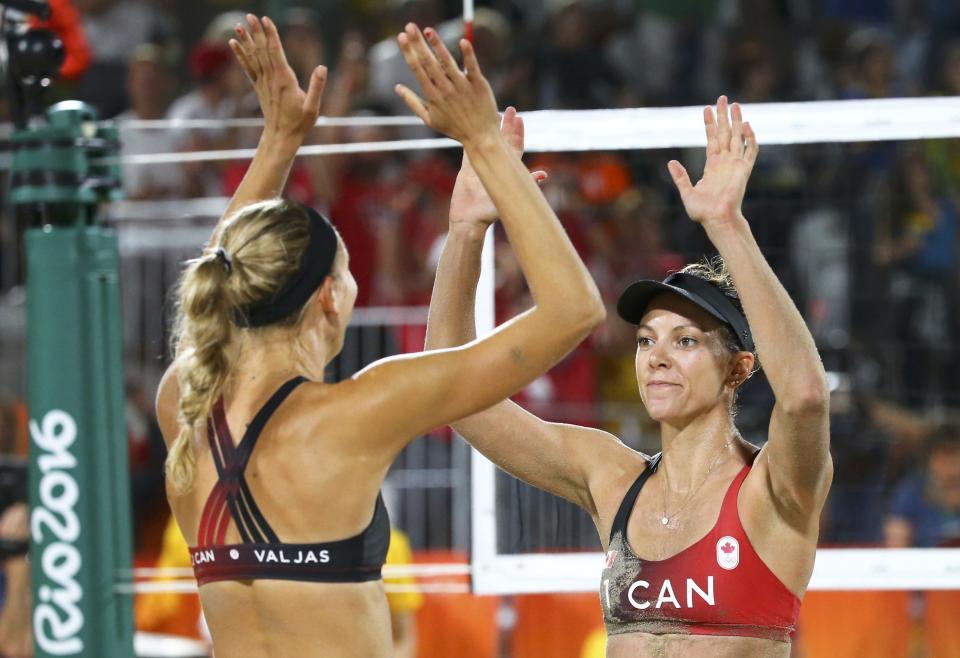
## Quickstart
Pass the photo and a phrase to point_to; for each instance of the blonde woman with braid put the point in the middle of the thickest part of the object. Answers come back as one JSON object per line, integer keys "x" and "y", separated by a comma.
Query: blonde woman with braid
{"x": 710, "y": 544}
{"x": 273, "y": 475}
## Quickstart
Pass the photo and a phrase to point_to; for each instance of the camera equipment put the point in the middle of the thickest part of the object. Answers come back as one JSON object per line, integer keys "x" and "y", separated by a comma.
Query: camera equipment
{"x": 30, "y": 58}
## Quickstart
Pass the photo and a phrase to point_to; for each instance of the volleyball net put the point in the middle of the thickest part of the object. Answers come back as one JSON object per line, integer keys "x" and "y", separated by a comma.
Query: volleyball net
{"x": 852, "y": 202}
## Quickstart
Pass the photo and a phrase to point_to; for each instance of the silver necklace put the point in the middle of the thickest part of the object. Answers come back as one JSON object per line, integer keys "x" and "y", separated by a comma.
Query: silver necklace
{"x": 666, "y": 518}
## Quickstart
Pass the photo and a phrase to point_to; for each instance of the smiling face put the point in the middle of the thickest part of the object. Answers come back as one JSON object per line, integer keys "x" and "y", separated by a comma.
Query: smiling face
{"x": 685, "y": 368}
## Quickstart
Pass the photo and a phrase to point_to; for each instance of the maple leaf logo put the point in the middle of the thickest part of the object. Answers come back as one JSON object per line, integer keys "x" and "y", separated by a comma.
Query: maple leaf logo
{"x": 728, "y": 553}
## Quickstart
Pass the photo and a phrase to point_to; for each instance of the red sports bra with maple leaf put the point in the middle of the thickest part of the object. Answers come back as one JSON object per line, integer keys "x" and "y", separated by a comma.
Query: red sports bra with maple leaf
{"x": 716, "y": 586}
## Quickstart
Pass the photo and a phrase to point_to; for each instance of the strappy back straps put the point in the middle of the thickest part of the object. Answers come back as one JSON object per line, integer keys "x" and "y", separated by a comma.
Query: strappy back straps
{"x": 626, "y": 505}
{"x": 226, "y": 454}
{"x": 231, "y": 491}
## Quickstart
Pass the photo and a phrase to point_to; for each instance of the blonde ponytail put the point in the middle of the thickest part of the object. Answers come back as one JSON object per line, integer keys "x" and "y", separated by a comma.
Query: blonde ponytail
{"x": 260, "y": 248}
{"x": 205, "y": 306}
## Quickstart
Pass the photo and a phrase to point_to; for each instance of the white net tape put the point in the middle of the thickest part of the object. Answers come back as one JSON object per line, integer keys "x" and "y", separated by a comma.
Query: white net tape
{"x": 668, "y": 127}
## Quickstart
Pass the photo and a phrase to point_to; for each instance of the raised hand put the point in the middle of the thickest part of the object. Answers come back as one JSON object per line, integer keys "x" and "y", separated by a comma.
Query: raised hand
{"x": 288, "y": 110}
{"x": 457, "y": 103}
{"x": 470, "y": 203}
{"x": 731, "y": 153}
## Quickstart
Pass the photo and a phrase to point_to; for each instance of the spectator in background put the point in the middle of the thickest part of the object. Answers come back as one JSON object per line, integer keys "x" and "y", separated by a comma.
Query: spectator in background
{"x": 925, "y": 507}
{"x": 66, "y": 21}
{"x": 171, "y": 612}
{"x": 760, "y": 75}
{"x": 406, "y": 600}
{"x": 312, "y": 179}
{"x": 11, "y": 443}
{"x": 669, "y": 52}
{"x": 916, "y": 246}
{"x": 393, "y": 211}
{"x": 861, "y": 449}
{"x": 16, "y": 638}
{"x": 220, "y": 86}
{"x": 946, "y": 65}
{"x": 211, "y": 99}
{"x": 303, "y": 42}
{"x": 572, "y": 68}
{"x": 150, "y": 85}
{"x": 869, "y": 70}
{"x": 819, "y": 248}
{"x": 387, "y": 67}
{"x": 507, "y": 77}
{"x": 146, "y": 453}
{"x": 944, "y": 154}
{"x": 115, "y": 29}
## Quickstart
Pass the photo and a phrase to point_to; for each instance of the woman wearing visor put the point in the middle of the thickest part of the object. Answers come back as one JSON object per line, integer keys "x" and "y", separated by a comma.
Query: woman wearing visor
{"x": 710, "y": 544}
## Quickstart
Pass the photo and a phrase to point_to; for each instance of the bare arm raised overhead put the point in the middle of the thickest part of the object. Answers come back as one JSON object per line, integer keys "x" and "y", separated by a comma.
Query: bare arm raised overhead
{"x": 423, "y": 391}
{"x": 560, "y": 458}
{"x": 289, "y": 112}
{"x": 797, "y": 455}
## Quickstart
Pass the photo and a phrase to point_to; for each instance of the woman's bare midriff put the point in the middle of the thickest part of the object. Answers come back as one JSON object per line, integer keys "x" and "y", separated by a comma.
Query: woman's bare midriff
{"x": 286, "y": 619}
{"x": 646, "y": 645}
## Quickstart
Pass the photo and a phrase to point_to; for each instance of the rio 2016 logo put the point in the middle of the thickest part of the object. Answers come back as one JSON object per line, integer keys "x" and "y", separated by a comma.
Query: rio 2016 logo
{"x": 57, "y": 617}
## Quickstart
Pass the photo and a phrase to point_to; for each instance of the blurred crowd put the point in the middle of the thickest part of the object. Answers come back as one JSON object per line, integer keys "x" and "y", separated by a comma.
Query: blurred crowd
{"x": 863, "y": 235}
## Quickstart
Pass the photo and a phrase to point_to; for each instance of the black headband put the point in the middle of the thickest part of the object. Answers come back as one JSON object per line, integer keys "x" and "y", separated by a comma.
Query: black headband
{"x": 634, "y": 300}
{"x": 315, "y": 266}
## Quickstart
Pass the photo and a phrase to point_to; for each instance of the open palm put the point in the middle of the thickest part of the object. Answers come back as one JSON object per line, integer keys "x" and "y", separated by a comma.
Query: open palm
{"x": 470, "y": 202}
{"x": 731, "y": 153}
{"x": 287, "y": 109}
{"x": 458, "y": 103}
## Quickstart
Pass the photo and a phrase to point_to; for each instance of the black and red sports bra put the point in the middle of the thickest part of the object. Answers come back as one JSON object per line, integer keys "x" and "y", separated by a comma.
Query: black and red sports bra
{"x": 261, "y": 555}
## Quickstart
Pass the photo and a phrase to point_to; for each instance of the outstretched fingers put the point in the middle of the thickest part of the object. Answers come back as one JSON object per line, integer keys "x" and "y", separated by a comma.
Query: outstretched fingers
{"x": 244, "y": 50}
{"x": 243, "y": 59}
{"x": 511, "y": 127}
{"x": 274, "y": 49}
{"x": 318, "y": 80}
{"x": 428, "y": 60}
{"x": 470, "y": 62}
{"x": 447, "y": 63}
{"x": 736, "y": 127}
{"x": 723, "y": 124}
{"x": 256, "y": 31}
{"x": 414, "y": 102}
{"x": 710, "y": 127}
{"x": 751, "y": 147}
{"x": 407, "y": 49}
{"x": 680, "y": 178}
{"x": 257, "y": 44}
